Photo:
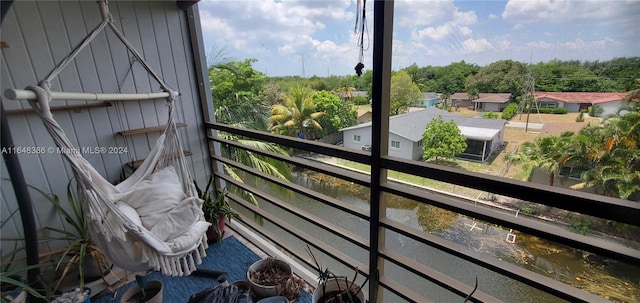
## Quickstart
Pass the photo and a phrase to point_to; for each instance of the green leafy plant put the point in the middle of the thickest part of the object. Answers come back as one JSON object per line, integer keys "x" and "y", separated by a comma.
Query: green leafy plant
{"x": 490, "y": 115}
{"x": 580, "y": 225}
{"x": 348, "y": 295}
{"x": 11, "y": 277}
{"x": 81, "y": 247}
{"x": 215, "y": 205}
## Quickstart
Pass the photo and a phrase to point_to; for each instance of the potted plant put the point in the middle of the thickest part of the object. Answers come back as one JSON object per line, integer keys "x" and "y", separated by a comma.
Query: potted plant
{"x": 332, "y": 288}
{"x": 269, "y": 277}
{"x": 13, "y": 285}
{"x": 81, "y": 255}
{"x": 216, "y": 209}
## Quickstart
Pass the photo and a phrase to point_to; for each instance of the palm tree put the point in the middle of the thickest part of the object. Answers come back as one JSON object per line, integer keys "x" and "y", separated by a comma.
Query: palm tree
{"x": 611, "y": 152}
{"x": 473, "y": 94}
{"x": 545, "y": 153}
{"x": 346, "y": 92}
{"x": 296, "y": 114}
{"x": 235, "y": 89}
{"x": 444, "y": 97}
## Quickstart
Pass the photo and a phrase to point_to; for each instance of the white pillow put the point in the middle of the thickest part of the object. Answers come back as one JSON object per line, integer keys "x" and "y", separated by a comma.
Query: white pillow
{"x": 155, "y": 199}
{"x": 129, "y": 212}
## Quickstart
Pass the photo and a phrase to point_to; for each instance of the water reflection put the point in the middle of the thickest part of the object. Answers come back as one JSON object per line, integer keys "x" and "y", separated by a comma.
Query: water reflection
{"x": 609, "y": 279}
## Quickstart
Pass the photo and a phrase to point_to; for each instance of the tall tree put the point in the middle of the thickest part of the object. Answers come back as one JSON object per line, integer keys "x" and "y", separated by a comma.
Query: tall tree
{"x": 506, "y": 76}
{"x": 338, "y": 113}
{"x": 296, "y": 114}
{"x": 235, "y": 87}
{"x": 451, "y": 79}
{"x": 442, "y": 140}
{"x": 403, "y": 93}
{"x": 610, "y": 154}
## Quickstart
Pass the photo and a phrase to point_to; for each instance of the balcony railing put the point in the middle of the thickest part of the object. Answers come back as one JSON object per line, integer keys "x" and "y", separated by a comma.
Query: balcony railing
{"x": 383, "y": 282}
{"x": 370, "y": 244}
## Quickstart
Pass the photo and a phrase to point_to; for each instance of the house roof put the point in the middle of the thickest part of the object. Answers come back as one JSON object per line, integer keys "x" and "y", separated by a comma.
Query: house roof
{"x": 412, "y": 125}
{"x": 493, "y": 98}
{"x": 431, "y": 96}
{"x": 489, "y": 97}
{"x": 581, "y": 97}
{"x": 460, "y": 96}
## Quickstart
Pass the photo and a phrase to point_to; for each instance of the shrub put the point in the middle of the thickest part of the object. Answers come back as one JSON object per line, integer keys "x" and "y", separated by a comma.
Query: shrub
{"x": 580, "y": 225}
{"x": 510, "y": 111}
{"x": 547, "y": 110}
{"x": 580, "y": 117}
{"x": 490, "y": 115}
{"x": 595, "y": 111}
{"x": 360, "y": 100}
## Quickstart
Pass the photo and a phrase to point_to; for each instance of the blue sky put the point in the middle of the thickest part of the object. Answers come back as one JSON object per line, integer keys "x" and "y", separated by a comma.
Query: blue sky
{"x": 279, "y": 34}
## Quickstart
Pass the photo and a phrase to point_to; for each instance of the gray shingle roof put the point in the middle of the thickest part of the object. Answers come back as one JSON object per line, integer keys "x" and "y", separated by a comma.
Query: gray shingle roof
{"x": 412, "y": 125}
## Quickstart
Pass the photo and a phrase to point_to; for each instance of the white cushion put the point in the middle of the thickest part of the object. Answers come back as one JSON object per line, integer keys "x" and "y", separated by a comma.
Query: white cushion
{"x": 158, "y": 201}
{"x": 130, "y": 212}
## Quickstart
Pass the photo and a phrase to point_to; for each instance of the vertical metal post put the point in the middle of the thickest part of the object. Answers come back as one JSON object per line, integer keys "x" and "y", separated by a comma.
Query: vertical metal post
{"x": 22, "y": 194}
{"x": 24, "y": 204}
{"x": 382, "y": 44}
{"x": 204, "y": 87}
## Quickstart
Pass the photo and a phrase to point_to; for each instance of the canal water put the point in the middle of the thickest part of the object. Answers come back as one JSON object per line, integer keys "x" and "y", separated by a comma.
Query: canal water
{"x": 606, "y": 278}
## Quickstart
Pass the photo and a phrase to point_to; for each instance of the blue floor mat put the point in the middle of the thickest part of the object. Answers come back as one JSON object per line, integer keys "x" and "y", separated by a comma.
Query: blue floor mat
{"x": 230, "y": 256}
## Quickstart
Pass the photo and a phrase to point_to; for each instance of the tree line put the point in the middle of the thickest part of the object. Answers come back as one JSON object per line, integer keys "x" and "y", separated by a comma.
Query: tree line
{"x": 616, "y": 75}
{"x": 608, "y": 155}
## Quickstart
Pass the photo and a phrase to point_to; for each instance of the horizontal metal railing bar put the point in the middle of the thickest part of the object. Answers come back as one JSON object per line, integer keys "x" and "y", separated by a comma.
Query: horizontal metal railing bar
{"x": 348, "y": 208}
{"x": 402, "y": 291}
{"x": 590, "y": 204}
{"x": 301, "y": 235}
{"x": 520, "y": 274}
{"x": 331, "y": 170}
{"x": 265, "y": 244}
{"x": 301, "y": 144}
{"x": 533, "y": 227}
{"x": 321, "y": 223}
{"x": 436, "y": 277}
{"x": 521, "y": 223}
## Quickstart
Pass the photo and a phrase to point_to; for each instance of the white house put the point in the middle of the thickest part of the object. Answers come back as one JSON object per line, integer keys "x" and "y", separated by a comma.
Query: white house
{"x": 574, "y": 102}
{"x": 484, "y": 136}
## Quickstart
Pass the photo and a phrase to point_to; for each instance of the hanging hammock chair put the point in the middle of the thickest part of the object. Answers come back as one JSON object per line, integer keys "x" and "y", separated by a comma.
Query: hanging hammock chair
{"x": 154, "y": 218}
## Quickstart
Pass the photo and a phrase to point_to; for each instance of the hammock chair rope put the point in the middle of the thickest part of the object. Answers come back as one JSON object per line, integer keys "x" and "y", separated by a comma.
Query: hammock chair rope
{"x": 117, "y": 228}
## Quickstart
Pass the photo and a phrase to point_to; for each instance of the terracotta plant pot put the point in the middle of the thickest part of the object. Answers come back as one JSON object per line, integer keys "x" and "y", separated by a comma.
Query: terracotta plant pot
{"x": 331, "y": 289}
{"x": 212, "y": 235}
{"x": 153, "y": 293}
{"x": 265, "y": 268}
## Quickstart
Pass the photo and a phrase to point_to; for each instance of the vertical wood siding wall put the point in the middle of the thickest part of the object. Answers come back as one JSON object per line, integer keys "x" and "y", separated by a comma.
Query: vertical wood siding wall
{"x": 40, "y": 34}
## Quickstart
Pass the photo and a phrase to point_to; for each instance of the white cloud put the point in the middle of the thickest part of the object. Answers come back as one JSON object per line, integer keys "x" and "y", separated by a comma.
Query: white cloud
{"x": 566, "y": 10}
{"x": 540, "y": 45}
{"x": 270, "y": 23}
{"x": 278, "y": 33}
{"x": 527, "y": 10}
{"x": 471, "y": 46}
{"x": 434, "y": 33}
{"x": 580, "y": 44}
{"x": 465, "y": 30}
{"x": 411, "y": 14}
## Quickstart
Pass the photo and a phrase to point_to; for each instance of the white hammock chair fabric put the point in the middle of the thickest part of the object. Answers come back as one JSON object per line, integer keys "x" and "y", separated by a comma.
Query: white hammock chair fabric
{"x": 154, "y": 218}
